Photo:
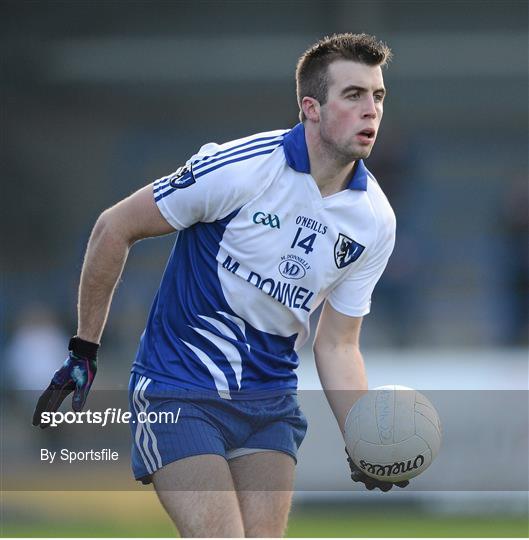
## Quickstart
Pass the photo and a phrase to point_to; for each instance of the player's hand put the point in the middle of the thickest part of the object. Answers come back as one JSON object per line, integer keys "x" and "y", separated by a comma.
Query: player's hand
{"x": 76, "y": 375}
{"x": 357, "y": 475}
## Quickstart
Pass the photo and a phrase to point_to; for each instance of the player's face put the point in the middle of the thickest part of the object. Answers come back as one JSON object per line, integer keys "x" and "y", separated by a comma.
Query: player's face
{"x": 350, "y": 118}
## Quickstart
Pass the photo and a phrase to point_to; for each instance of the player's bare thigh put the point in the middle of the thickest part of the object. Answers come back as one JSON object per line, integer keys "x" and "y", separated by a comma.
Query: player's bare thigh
{"x": 264, "y": 482}
{"x": 198, "y": 494}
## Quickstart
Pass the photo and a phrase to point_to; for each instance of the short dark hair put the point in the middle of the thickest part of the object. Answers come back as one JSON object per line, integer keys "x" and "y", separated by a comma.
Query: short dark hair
{"x": 312, "y": 69}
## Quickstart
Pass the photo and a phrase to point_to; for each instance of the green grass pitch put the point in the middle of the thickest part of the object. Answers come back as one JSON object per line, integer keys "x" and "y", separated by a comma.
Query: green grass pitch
{"x": 303, "y": 523}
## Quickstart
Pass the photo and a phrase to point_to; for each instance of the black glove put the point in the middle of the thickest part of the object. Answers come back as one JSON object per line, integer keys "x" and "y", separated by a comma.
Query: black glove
{"x": 76, "y": 375}
{"x": 357, "y": 475}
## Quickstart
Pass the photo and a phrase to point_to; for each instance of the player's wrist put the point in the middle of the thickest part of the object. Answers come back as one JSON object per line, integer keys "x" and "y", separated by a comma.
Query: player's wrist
{"x": 83, "y": 349}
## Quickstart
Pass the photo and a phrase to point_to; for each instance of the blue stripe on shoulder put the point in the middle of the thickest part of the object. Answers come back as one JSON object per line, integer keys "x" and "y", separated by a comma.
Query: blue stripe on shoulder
{"x": 201, "y": 164}
{"x": 243, "y": 158}
{"x": 160, "y": 196}
{"x": 247, "y": 143}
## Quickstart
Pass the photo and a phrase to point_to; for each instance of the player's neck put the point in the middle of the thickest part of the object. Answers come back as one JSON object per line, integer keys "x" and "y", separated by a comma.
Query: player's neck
{"x": 329, "y": 172}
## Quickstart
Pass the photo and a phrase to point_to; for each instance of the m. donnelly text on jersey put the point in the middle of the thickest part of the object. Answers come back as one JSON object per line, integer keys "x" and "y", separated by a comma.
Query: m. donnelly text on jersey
{"x": 286, "y": 293}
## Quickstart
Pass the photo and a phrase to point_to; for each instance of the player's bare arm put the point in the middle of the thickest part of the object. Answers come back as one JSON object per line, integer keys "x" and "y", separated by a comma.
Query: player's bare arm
{"x": 339, "y": 361}
{"x": 342, "y": 374}
{"x": 116, "y": 230}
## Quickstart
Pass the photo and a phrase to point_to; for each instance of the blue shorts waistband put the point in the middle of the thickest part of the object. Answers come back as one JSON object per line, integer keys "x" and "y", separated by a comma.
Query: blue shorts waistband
{"x": 178, "y": 389}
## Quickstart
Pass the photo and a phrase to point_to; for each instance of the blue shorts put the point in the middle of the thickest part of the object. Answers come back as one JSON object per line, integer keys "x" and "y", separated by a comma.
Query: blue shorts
{"x": 170, "y": 423}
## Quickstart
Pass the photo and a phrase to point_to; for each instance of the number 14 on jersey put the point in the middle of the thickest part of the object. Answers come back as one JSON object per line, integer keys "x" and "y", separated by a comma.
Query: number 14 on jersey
{"x": 305, "y": 243}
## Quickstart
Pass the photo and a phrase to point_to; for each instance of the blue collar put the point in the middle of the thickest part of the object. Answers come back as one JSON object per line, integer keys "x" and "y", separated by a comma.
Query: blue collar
{"x": 297, "y": 156}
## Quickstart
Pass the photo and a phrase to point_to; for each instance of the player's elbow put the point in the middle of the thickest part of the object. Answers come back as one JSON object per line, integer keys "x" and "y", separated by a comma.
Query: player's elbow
{"x": 109, "y": 227}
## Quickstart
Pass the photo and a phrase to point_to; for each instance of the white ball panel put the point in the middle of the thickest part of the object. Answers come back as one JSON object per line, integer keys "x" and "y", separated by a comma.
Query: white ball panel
{"x": 404, "y": 415}
{"x": 430, "y": 413}
{"x": 386, "y": 454}
{"x": 429, "y": 433}
{"x": 367, "y": 418}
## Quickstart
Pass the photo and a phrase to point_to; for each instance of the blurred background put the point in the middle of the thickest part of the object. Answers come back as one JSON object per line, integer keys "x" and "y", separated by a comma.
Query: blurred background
{"x": 100, "y": 98}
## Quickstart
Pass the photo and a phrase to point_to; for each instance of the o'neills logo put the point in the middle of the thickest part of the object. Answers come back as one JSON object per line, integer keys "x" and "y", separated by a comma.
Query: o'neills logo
{"x": 398, "y": 467}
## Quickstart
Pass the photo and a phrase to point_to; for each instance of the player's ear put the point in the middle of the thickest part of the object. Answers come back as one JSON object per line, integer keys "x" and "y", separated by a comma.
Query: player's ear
{"x": 311, "y": 108}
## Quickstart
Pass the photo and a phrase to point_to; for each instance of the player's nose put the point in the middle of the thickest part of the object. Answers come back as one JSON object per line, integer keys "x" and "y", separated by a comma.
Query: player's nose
{"x": 369, "y": 109}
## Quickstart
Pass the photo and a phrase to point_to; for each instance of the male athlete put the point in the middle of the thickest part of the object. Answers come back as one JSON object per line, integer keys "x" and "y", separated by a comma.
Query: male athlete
{"x": 270, "y": 226}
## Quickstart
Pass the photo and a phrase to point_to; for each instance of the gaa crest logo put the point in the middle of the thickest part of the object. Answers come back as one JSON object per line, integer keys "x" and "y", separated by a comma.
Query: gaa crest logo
{"x": 270, "y": 220}
{"x": 346, "y": 251}
{"x": 182, "y": 177}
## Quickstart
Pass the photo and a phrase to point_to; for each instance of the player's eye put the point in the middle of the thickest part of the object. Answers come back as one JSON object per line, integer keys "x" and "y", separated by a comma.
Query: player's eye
{"x": 379, "y": 98}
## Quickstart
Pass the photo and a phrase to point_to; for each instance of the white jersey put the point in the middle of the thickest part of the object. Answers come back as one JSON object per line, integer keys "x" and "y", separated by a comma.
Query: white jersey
{"x": 259, "y": 250}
